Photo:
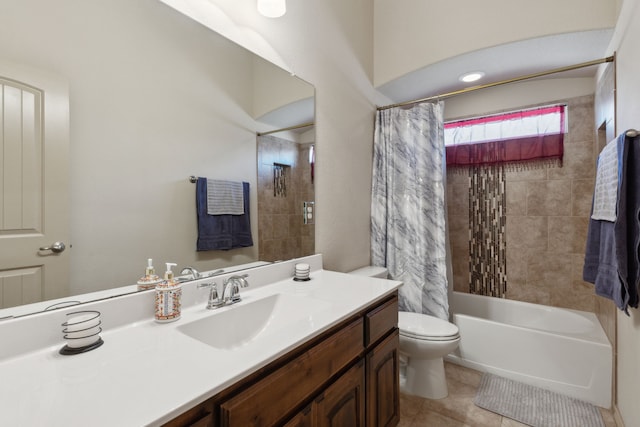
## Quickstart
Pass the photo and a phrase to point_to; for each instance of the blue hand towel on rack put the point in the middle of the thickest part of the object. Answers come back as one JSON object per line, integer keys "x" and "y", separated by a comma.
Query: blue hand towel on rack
{"x": 611, "y": 258}
{"x": 222, "y": 232}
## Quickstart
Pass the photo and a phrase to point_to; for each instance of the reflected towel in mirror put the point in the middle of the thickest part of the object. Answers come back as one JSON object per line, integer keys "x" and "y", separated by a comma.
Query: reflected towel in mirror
{"x": 222, "y": 232}
{"x": 224, "y": 197}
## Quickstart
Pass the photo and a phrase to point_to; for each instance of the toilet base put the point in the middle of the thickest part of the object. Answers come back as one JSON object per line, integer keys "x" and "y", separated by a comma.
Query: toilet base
{"x": 425, "y": 378}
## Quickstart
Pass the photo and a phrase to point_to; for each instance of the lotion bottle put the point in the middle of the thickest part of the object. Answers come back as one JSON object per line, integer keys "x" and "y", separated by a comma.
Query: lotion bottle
{"x": 168, "y": 297}
{"x": 150, "y": 279}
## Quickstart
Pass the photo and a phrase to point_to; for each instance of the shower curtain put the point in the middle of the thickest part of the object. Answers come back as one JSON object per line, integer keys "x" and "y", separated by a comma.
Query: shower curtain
{"x": 408, "y": 220}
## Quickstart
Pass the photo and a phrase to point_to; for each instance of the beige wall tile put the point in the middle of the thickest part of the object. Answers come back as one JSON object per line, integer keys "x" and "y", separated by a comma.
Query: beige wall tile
{"x": 581, "y": 197}
{"x": 574, "y": 295}
{"x": 580, "y": 117}
{"x": 517, "y": 266}
{"x": 534, "y": 174}
{"x": 527, "y": 292}
{"x": 548, "y": 198}
{"x": 578, "y": 161}
{"x": 458, "y": 198}
{"x": 547, "y": 218}
{"x": 516, "y": 196}
{"x": 526, "y": 232}
{"x": 568, "y": 234}
{"x": 606, "y": 311}
{"x": 549, "y": 273}
{"x": 457, "y": 176}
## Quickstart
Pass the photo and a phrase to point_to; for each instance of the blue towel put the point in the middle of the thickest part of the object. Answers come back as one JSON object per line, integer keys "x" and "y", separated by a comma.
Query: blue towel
{"x": 222, "y": 232}
{"x": 612, "y": 256}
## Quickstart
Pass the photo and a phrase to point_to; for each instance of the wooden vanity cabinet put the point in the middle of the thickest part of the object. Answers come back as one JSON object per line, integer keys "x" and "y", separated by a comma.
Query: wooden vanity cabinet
{"x": 272, "y": 397}
{"x": 383, "y": 383}
{"x": 382, "y": 365}
{"x": 199, "y": 416}
{"x": 348, "y": 376}
{"x": 304, "y": 418}
{"x": 343, "y": 402}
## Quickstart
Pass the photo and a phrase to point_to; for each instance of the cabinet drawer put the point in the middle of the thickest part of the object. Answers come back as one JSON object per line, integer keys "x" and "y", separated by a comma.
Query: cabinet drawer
{"x": 380, "y": 320}
{"x": 267, "y": 401}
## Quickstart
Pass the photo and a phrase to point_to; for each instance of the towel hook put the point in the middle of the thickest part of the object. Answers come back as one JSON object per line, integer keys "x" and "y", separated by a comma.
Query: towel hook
{"x": 632, "y": 133}
{"x": 193, "y": 179}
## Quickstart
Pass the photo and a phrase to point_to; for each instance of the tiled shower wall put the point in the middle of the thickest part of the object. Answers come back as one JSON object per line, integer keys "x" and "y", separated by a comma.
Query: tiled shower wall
{"x": 547, "y": 213}
{"x": 282, "y": 233}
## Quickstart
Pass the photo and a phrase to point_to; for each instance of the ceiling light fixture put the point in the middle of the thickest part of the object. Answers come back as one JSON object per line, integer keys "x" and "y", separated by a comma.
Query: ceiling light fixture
{"x": 272, "y": 8}
{"x": 471, "y": 77}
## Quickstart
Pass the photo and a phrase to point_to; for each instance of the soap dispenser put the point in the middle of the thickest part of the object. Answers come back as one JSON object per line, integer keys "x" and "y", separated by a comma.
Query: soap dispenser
{"x": 168, "y": 297}
{"x": 150, "y": 279}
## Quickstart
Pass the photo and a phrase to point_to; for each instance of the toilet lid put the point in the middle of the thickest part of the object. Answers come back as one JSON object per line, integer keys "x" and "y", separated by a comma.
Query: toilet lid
{"x": 423, "y": 326}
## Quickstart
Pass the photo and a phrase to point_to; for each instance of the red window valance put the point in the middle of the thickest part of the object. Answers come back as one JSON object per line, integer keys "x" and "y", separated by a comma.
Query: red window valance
{"x": 513, "y": 137}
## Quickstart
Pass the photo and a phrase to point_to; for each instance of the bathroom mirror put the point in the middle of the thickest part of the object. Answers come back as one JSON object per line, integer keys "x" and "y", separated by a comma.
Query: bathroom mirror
{"x": 154, "y": 98}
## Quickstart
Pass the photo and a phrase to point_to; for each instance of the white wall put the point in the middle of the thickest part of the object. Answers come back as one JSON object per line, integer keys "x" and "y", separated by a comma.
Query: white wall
{"x": 275, "y": 87}
{"x": 627, "y": 45}
{"x": 411, "y": 34}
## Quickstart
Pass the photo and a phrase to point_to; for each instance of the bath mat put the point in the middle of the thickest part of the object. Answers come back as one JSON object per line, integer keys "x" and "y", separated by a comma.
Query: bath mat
{"x": 534, "y": 406}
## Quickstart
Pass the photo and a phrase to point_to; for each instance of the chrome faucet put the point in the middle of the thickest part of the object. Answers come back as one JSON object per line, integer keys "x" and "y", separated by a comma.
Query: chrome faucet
{"x": 231, "y": 288}
{"x": 192, "y": 271}
{"x": 230, "y": 291}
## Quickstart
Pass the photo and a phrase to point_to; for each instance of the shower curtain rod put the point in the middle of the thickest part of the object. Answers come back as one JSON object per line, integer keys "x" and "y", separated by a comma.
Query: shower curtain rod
{"x": 304, "y": 125}
{"x": 502, "y": 82}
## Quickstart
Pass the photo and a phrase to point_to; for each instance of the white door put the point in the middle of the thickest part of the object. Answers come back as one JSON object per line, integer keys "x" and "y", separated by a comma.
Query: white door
{"x": 34, "y": 201}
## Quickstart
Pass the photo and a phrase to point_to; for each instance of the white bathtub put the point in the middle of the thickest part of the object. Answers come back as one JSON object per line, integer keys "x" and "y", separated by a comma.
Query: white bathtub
{"x": 562, "y": 350}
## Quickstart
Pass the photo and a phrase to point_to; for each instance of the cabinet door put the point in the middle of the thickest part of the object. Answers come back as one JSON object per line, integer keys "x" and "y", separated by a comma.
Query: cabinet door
{"x": 303, "y": 418}
{"x": 342, "y": 403}
{"x": 383, "y": 387}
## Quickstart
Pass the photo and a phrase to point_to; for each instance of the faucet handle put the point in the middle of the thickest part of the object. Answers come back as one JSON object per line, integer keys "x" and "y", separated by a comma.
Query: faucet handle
{"x": 243, "y": 280}
{"x": 214, "y": 300}
{"x": 236, "y": 282}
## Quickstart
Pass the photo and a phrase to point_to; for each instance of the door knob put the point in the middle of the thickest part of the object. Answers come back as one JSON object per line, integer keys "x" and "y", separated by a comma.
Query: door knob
{"x": 57, "y": 247}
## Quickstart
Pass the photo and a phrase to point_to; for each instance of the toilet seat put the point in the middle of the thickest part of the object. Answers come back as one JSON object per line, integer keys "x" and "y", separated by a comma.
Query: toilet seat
{"x": 424, "y": 327}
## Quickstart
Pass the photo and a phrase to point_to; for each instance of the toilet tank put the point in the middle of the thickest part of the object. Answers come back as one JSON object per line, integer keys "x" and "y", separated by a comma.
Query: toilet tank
{"x": 371, "y": 271}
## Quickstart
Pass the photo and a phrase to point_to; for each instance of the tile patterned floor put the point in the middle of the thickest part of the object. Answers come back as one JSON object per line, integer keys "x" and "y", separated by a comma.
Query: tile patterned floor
{"x": 457, "y": 409}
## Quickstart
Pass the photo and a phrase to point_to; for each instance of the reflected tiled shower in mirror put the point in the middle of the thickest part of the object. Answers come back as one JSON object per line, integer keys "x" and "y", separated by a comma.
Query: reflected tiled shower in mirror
{"x": 286, "y": 207}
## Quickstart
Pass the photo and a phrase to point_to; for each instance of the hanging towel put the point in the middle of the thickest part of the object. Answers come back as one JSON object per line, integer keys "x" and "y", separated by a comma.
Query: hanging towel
{"x": 223, "y": 232}
{"x": 224, "y": 197}
{"x": 611, "y": 259}
{"x": 605, "y": 195}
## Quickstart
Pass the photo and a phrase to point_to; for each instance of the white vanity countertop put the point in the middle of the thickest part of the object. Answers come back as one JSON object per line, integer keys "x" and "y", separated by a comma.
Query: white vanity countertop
{"x": 147, "y": 373}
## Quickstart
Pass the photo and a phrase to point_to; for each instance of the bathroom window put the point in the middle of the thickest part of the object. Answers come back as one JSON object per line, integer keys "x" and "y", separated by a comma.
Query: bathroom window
{"x": 513, "y": 137}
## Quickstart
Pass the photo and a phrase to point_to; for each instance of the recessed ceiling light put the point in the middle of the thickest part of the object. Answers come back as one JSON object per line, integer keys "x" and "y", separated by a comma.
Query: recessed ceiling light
{"x": 471, "y": 77}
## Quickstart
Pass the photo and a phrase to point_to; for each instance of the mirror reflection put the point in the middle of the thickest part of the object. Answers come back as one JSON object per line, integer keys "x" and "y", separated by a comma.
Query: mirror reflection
{"x": 286, "y": 195}
{"x": 154, "y": 98}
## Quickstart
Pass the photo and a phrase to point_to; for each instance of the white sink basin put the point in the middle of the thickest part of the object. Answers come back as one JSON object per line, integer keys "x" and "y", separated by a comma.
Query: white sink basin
{"x": 240, "y": 325}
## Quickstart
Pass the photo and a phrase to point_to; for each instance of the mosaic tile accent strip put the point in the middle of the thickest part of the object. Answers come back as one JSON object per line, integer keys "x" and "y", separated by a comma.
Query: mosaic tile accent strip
{"x": 487, "y": 226}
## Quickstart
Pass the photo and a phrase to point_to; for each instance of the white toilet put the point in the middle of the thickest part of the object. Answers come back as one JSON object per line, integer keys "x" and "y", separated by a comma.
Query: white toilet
{"x": 424, "y": 341}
